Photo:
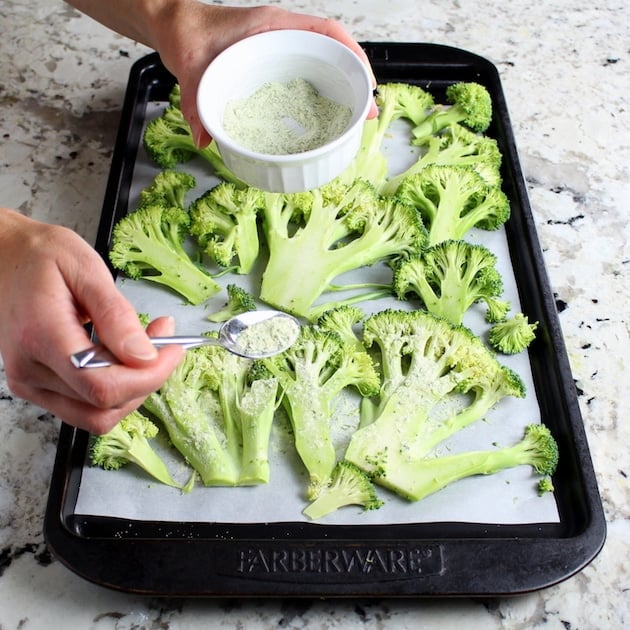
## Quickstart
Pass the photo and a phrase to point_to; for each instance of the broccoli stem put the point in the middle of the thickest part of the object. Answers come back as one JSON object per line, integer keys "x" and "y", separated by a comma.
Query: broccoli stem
{"x": 141, "y": 453}
{"x": 418, "y": 479}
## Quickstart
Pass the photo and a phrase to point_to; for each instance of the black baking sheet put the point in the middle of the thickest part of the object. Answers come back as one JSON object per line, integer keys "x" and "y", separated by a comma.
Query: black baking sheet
{"x": 304, "y": 559}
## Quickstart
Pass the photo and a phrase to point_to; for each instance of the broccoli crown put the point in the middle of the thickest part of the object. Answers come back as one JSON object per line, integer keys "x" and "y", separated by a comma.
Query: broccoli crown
{"x": 148, "y": 243}
{"x": 238, "y": 301}
{"x": 402, "y": 100}
{"x": 470, "y": 104}
{"x": 474, "y": 101}
{"x": 449, "y": 278}
{"x": 453, "y": 199}
{"x": 512, "y": 335}
{"x": 342, "y": 228}
{"x": 168, "y": 141}
{"x": 169, "y": 188}
{"x": 224, "y": 221}
{"x": 310, "y": 375}
{"x": 128, "y": 442}
{"x": 349, "y": 485}
{"x": 343, "y": 320}
{"x": 426, "y": 363}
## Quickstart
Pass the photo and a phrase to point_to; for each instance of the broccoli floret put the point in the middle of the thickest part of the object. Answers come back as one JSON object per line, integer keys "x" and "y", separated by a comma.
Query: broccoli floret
{"x": 395, "y": 100}
{"x": 239, "y": 301}
{"x": 544, "y": 486}
{"x": 349, "y": 485}
{"x": 454, "y": 199}
{"x": 128, "y": 442}
{"x": 168, "y": 188}
{"x": 337, "y": 229}
{"x": 512, "y": 335}
{"x": 310, "y": 375}
{"x": 218, "y": 413}
{"x": 470, "y": 104}
{"x": 449, "y": 278}
{"x": 224, "y": 221}
{"x": 343, "y": 320}
{"x": 148, "y": 244}
{"x": 168, "y": 141}
{"x": 456, "y": 146}
{"x": 427, "y": 364}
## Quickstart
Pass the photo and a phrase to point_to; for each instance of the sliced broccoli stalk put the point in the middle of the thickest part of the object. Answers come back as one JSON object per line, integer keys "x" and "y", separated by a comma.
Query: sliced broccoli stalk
{"x": 225, "y": 222}
{"x": 342, "y": 228}
{"x": 470, "y": 104}
{"x": 217, "y": 417}
{"x": 394, "y": 100}
{"x": 238, "y": 301}
{"x": 349, "y": 485}
{"x": 454, "y": 199}
{"x": 169, "y": 188}
{"x": 455, "y": 146}
{"x": 148, "y": 244}
{"x": 449, "y": 278}
{"x": 418, "y": 479}
{"x": 426, "y": 364}
{"x": 512, "y": 335}
{"x": 310, "y": 375}
{"x": 128, "y": 442}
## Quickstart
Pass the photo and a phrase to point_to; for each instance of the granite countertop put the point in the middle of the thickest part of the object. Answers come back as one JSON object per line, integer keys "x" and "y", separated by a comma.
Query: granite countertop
{"x": 564, "y": 68}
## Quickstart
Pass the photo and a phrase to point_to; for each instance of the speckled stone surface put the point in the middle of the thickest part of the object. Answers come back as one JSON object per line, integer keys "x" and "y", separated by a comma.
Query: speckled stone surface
{"x": 565, "y": 71}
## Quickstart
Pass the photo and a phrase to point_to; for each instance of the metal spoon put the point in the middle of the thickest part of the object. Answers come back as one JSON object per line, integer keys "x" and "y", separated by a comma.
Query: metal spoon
{"x": 229, "y": 335}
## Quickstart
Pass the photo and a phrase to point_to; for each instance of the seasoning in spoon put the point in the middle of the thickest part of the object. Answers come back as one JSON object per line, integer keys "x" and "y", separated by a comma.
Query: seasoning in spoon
{"x": 268, "y": 336}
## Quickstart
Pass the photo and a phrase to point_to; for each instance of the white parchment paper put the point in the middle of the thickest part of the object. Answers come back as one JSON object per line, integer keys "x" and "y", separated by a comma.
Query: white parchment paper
{"x": 508, "y": 497}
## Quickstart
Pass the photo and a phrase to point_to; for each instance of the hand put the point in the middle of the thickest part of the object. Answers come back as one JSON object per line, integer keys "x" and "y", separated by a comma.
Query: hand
{"x": 53, "y": 283}
{"x": 191, "y": 34}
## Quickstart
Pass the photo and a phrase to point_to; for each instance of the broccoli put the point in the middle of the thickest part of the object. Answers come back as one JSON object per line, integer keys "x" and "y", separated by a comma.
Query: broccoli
{"x": 449, "y": 278}
{"x": 315, "y": 237}
{"x": 349, "y": 485}
{"x": 128, "y": 442}
{"x": 453, "y": 199}
{"x": 168, "y": 141}
{"x": 512, "y": 335}
{"x": 470, "y": 104}
{"x": 428, "y": 365}
{"x": 544, "y": 486}
{"x": 343, "y": 321}
{"x": 310, "y": 375}
{"x": 224, "y": 221}
{"x": 218, "y": 412}
{"x": 537, "y": 449}
{"x": 239, "y": 301}
{"x": 455, "y": 146}
{"x": 168, "y": 188}
{"x": 395, "y": 100}
{"x": 148, "y": 244}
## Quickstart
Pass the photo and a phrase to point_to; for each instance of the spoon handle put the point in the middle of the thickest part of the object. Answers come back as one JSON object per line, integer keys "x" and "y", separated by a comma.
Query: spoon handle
{"x": 99, "y": 356}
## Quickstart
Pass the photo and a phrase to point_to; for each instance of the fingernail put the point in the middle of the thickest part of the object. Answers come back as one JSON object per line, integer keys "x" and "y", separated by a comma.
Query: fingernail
{"x": 138, "y": 346}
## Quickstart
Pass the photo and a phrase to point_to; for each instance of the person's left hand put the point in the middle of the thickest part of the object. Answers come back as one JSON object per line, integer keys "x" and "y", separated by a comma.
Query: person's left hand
{"x": 193, "y": 34}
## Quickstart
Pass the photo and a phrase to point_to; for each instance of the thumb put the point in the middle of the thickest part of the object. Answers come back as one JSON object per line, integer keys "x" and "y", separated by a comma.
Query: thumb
{"x": 115, "y": 321}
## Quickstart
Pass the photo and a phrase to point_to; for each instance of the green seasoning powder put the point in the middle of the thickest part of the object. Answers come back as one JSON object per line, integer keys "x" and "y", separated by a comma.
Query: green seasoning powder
{"x": 285, "y": 118}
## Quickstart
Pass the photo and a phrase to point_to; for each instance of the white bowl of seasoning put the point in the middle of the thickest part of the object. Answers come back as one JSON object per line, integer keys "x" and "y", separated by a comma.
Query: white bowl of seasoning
{"x": 286, "y": 108}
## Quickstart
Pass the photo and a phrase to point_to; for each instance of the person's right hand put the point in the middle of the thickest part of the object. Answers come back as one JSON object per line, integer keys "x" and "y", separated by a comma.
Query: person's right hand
{"x": 190, "y": 34}
{"x": 52, "y": 283}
